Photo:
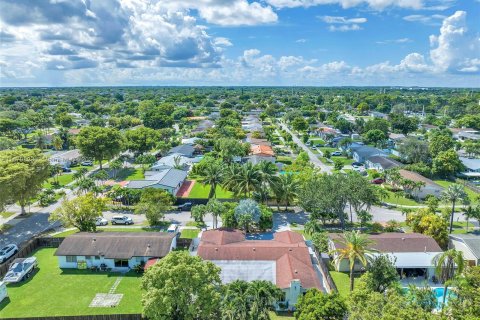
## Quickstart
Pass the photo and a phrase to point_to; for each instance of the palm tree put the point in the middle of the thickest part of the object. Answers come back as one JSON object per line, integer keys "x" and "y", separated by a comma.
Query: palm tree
{"x": 235, "y": 302}
{"x": 86, "y": 185}
{"x": 243, "y": 179}
{"x": 262, "y": 296}
{"x": 448, "y": 265}
{"x": 453, "y": 194}
{"x": 80, "y": 173}
{"x": 312, "y": 226}
{"x": 353, "y": 246}
{"x": 212, "y": 175}
{"x": 115, "y": 166}
{"x": 286, "y": 189}
{"x": 471, "y": 212}
{"x": 216, "y": 208}
{"x": 268, "y": 178}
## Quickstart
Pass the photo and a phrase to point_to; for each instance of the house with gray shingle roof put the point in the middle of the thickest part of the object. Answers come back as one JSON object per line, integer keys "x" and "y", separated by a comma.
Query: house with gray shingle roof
{"x": 169, "y": 179}
{"x": 186, "y": 150}
{"x": 469, "y": 244}
{"x": 381, "y": 163}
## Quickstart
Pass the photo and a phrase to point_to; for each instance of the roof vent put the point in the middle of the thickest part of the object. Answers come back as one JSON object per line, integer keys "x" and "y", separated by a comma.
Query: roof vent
{"x": 216, "y": 249}
{"x": 290, "y": 249}
{"x": 425, "y": 249}
{"x": 296, "y": 271}
{"x": 253, "y": 249}
{"x": 403, "y": 239}
{"x": 148, "y": 245}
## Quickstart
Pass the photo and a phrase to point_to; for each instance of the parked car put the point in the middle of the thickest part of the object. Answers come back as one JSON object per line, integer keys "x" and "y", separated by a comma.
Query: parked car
{"x": 87, "y": 163}
{"x": 357, "y": 164}
{"x": 101, "y": 221}
{"x": 336, "y": 153}
{"x": 185, "y": 207}
{"x": 314, "y": 148}
{"x": 66, "y": 169}
{"x": 377, "y": 181}
{"x": 121, "y": 220}
{"x": 20, "y": 269}
{"x": 172, "y": 228}
{"x": 7, "y": 251}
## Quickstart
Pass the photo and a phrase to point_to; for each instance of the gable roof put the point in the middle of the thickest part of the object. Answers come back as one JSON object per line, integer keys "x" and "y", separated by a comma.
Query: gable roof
{"x": 367, "y": 151}
{"x": 471, "y": 240}
{"x": 472, "y": 164}
{"x": 410, "y": 175}
{"x": 287, "y": 249}
{"x": 384, "y": 162}
{"x": 397, "y": 242}
{"x": 117, "y": 245}
{"x": 184, "y": 149}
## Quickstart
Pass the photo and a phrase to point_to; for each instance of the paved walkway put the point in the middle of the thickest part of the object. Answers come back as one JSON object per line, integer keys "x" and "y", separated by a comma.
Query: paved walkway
{"x": 185, "y": 189}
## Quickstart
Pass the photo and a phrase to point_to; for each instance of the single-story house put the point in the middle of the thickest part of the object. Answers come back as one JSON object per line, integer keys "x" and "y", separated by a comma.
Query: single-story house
{"x": 261, "y": 150}
{"x": 361, "y": 153}
{"x": 169, "y": 179}
{"x": 326, "y": 132}
{"x": 191, "y": 141}
{"x": 413, "y": 252}
{"x": 472, "y": 167}
{"x": 203, "y": 125}
{"x": 380, "y": 115}
{"x": 66, "y": 159}
{"x": 430, "y": 187}
{"x": 116, "y": 250}
{"x": 381, "y": 163}
{"x": 469, "y": 244}
{"x": 285, "y": 260}
{"x": 172, "y": 160}
{"x": 255, "y": 159}
{"x": 186, "y": 150}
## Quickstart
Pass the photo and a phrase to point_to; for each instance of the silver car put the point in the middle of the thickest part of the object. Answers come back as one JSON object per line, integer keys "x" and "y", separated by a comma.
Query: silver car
{"x": 8, "y": 251}
{"x": 122, "y": 220}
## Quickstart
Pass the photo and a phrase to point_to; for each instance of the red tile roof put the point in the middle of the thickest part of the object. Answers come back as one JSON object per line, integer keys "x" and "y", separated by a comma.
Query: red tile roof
{"x": 261, "y": 149}
{"x": 287, "y": 249}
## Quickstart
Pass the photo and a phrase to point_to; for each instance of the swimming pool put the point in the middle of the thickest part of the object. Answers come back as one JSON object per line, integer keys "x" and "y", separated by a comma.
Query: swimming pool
{"x": 439, "y": 294}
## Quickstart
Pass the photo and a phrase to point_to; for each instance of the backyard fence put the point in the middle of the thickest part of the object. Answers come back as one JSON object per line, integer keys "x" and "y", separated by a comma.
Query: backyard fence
{"x": 330, "y": 283}
{"x": 93, "y": 317}
{"x": 27, "y": 249}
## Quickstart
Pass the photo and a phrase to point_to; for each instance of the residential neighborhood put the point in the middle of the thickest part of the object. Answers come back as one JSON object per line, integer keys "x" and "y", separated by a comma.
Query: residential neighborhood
{"x": 240, "y": 160}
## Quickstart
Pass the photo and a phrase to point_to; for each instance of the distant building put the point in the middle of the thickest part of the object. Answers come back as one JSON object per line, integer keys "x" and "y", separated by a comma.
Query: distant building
{"x": 186, "y": 150}
{"x": 169, "y": 179}
{"x": 361, "y": 153}
{"x": 66, "y": 159}
{"x": 469, "y": 244}
{"x": 430, "y": 187}
{"x": 261, "y": 150}
{"x": 381, "y": 163}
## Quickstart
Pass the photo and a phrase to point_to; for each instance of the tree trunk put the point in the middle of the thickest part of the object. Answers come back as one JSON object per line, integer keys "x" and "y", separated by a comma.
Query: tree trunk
{"x": 351, "y": 214}
{"x": 351, "y": 278}
{"x": 451, "y": 217}
{"x": 22, "y": 210}
{"x": 445, "y": 287}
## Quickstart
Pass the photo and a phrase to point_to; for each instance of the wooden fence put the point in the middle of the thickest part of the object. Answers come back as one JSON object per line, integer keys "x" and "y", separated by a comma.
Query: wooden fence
{"x": 93, "y": 317}
{"x": 330, "y": 283}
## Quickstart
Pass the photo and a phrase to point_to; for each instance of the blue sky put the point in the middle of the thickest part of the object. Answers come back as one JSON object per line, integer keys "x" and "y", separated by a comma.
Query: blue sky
{"x": 240, "y": 42}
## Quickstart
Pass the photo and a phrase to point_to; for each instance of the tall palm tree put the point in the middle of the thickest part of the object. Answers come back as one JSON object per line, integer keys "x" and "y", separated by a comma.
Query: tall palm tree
{"x": 262, "y": 296}
{"x": 235, "y": 302}
{"x": 448, "y": 265}
{"x": 453, "y": 194}
{"x": 286, "y": 189}
{"x": 243, "y": 179}
{"x": 471, "y": 212}
{"x": 212, "y": 175}
{"x": 353, "y": 246}
{"x": 267, "y": 171}
{"x": 312, "y": 226}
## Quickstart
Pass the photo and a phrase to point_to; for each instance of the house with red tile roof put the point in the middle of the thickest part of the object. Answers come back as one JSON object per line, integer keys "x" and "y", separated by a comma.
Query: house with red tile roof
{"x": 285, "y": 260}
{"x": 262, "y": 150}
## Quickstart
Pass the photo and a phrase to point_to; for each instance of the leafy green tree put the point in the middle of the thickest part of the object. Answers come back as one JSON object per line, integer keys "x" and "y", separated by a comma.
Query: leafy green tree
{"x": 377, "y": 124}
{"x": 382, "y": 273}
{"x": 247, "y": 212}
{"x": 299, "y": 124}
{"x": 315, "y": 305}
{"x": 363, "y": 108}
{"x": 448, "y": 265}
{"x": 146, "y": 160}
{"x": 414, "y": 150}
{"x": 320, "y": 241}
{"x": 453, "y": 194}
{"x": 99, "y": 143}
{"x": 6, "y": 143}
{"x": 22, "y": 174}
{"x": 199, "y": 212}
{"x": 57, "y": 142}
{"x": 157, "y": 117}
{"x": 337, "y": 164}
{"x": 429, "y": 224}
{"x": 228, "y": 148}
{"x": 354, "y": 246}
{"x": 467, "y": 304}
{"x": 402, "y": 123}
{"x": 440, "y": 143}
{"x": 423, "y": 296}
{"x": 153, "y": 204}
{"x": 80, "y": 212}
{"x": 447, "y": 163}
{"x": 141, "y": 140}
{"x": 375, "y": 137}
{"x": 181, "y": 286}
{"x": 365, "y": 217}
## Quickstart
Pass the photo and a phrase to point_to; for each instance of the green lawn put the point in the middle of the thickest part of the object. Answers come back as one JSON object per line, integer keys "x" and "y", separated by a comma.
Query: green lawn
{"x": 200, "y": 191}
{"x": 6, "y": 214}
{"x": 189, "y": 233}
{"x": 284, "y": 159}
{"x": 342, "y": 281}
{"x": 317, "y": 141}
{"x": 280, "y": 316}
{"x": 55, "y": 292}
{"x": 130, "y": 174}
{"x": 399, "y": 200}
{"x": 471, "y": 194}
{"x": 345, "y": 160}
{"x": 63, "y": 180}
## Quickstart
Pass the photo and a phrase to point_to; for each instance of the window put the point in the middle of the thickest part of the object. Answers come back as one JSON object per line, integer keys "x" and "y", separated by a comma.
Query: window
{"x": 88, "y": 257}
{"x": 119, "y": 263}
{"x": 97, "y": 257}
{"x": 71, "y": 258}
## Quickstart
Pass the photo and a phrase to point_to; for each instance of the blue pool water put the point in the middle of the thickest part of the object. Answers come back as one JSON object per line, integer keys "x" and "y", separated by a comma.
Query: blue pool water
{"x": 439, "y": 295}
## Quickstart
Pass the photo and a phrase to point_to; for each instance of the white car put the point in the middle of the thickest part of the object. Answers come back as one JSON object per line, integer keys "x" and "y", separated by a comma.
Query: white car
{"x": 336, "y": 153}
{"x": 7, "y": 251}
{"x": 101, "y": 221}
{"x": 122, "y": 220}
{"x": 20, "y": 269}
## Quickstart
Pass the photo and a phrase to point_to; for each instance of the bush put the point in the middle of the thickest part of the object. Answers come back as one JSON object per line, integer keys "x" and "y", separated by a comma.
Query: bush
{"x": 266, "y": 218}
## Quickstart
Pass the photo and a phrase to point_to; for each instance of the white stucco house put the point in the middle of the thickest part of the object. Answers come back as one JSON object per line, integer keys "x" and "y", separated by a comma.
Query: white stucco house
{"x": 429, "y": 188}
{"x": 120, "y": 251}
{"x": 469, "y": 244}
{"x": 66, "y": 158}
{"x": 168, "y": 179}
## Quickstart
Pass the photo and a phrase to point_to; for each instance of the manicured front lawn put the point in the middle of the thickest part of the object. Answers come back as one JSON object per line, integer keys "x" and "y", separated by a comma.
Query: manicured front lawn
{"x": 130, "y": 174}
{"x": 280, "y": 316}
{"x": 399, "y": 200}
{"x": 6, "y": 214}
{"x": 472, "y": 195}
{"x": 63, "y": 180}
{"x": 56, "y": 292}
{"x": 189, "y": 233}
{"x": 200, "y": 191}
{"x": 114, "y": 229}
{"x": 284, "y": 159}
